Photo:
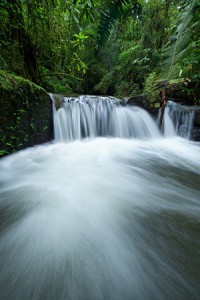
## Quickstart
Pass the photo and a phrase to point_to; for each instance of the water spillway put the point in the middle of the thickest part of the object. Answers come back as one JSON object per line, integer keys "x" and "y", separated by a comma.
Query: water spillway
{"x": 92, "y": 116}
{"x": 104, "y": 212}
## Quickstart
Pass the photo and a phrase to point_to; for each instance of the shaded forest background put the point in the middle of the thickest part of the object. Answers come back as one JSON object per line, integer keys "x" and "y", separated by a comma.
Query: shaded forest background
{"x": 103, "y": 47}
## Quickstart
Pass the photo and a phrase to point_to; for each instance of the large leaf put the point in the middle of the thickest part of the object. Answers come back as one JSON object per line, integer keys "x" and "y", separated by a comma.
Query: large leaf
{"x": 180, "y": 42}
{"x": 113, "y": 11}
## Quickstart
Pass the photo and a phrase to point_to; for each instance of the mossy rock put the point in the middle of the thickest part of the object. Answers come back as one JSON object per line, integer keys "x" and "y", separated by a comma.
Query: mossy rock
{"x": 25, "y": 114}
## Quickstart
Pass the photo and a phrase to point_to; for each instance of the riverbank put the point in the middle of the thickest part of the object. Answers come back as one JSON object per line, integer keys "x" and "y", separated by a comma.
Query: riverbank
{"x": 25, "y": 114}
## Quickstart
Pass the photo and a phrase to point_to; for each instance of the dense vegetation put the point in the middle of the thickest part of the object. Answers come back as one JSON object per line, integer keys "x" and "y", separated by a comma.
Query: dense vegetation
{"x": 115, "y": 47}
{"x": 120, "y": 47}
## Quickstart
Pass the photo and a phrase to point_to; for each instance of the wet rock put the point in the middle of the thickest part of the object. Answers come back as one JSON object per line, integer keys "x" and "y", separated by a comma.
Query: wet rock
{"x": 25, "y": 114}
{"x": 139, "y": 100}
{"x": 195, "y": 134}
{"x": 197, "y": 117}
{"x": 143, "y": 102}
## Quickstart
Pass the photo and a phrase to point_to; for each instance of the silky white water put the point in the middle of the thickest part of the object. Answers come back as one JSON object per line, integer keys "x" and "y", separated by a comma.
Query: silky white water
{"x": 178, "y": 120}
{"x": 102, "y": 218}
{"x": 92, "y": 116}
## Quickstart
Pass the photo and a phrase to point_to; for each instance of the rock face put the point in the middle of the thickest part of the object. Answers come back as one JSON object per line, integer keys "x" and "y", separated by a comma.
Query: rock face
{"x": 143, "y": 102}
{"x": 139, "y": 100}
{"x": 25, "y": 114}
{"x": 195, "y": 133}
{"x": 197, "y": 117}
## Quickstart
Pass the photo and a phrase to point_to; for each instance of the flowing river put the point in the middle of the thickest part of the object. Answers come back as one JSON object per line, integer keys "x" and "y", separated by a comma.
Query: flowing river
{"x": 109, "y": 211}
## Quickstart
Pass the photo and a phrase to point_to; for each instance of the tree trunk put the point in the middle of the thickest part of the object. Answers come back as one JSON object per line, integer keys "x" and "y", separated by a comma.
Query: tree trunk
{"x": 26, "y": 49}
{"x": 162, "y": 107}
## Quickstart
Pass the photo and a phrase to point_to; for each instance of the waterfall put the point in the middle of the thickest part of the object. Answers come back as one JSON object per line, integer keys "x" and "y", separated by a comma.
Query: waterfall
{"x": 178, "y": 119}
{"x": 112, "y": 215}
{"x": 92, "y": 116}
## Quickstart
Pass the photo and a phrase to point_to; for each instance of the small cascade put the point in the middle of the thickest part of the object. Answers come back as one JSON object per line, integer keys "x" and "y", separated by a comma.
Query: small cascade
{"x": 92, "y": 116}
{"x": 178, "y": 119}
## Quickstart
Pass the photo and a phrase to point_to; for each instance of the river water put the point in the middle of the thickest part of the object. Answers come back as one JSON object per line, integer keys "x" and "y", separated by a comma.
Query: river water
{"x": 102, "y": 217}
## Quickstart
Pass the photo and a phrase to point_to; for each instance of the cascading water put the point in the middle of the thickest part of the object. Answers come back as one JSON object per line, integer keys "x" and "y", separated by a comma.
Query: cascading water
{"x": 178, "y": 119}
{"x": 91, "y": 116}
{"x": 102, "y": 218}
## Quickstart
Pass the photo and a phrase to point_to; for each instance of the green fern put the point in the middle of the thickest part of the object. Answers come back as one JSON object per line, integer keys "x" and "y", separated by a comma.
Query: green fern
{"x": 180, "y": 43}
{"x": 113, "y": 11}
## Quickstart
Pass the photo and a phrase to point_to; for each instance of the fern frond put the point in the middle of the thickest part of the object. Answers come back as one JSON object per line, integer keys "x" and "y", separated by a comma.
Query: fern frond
{"x": 112, "y": 12}
{"x": 180, "y": 42}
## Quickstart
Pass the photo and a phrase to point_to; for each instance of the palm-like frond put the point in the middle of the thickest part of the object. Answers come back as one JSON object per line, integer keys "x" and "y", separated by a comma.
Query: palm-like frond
{"x": 108, "y": 16}
{"x": 180, "y": 43}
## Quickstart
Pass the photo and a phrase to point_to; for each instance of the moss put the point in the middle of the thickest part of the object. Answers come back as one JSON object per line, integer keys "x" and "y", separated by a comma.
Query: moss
{"x": 11, "y": 82}
{"x": 25, "y": 114}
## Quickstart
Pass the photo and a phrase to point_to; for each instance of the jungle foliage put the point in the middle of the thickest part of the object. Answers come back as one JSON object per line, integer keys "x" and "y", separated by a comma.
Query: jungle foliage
{"x": 117, "y": 47}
